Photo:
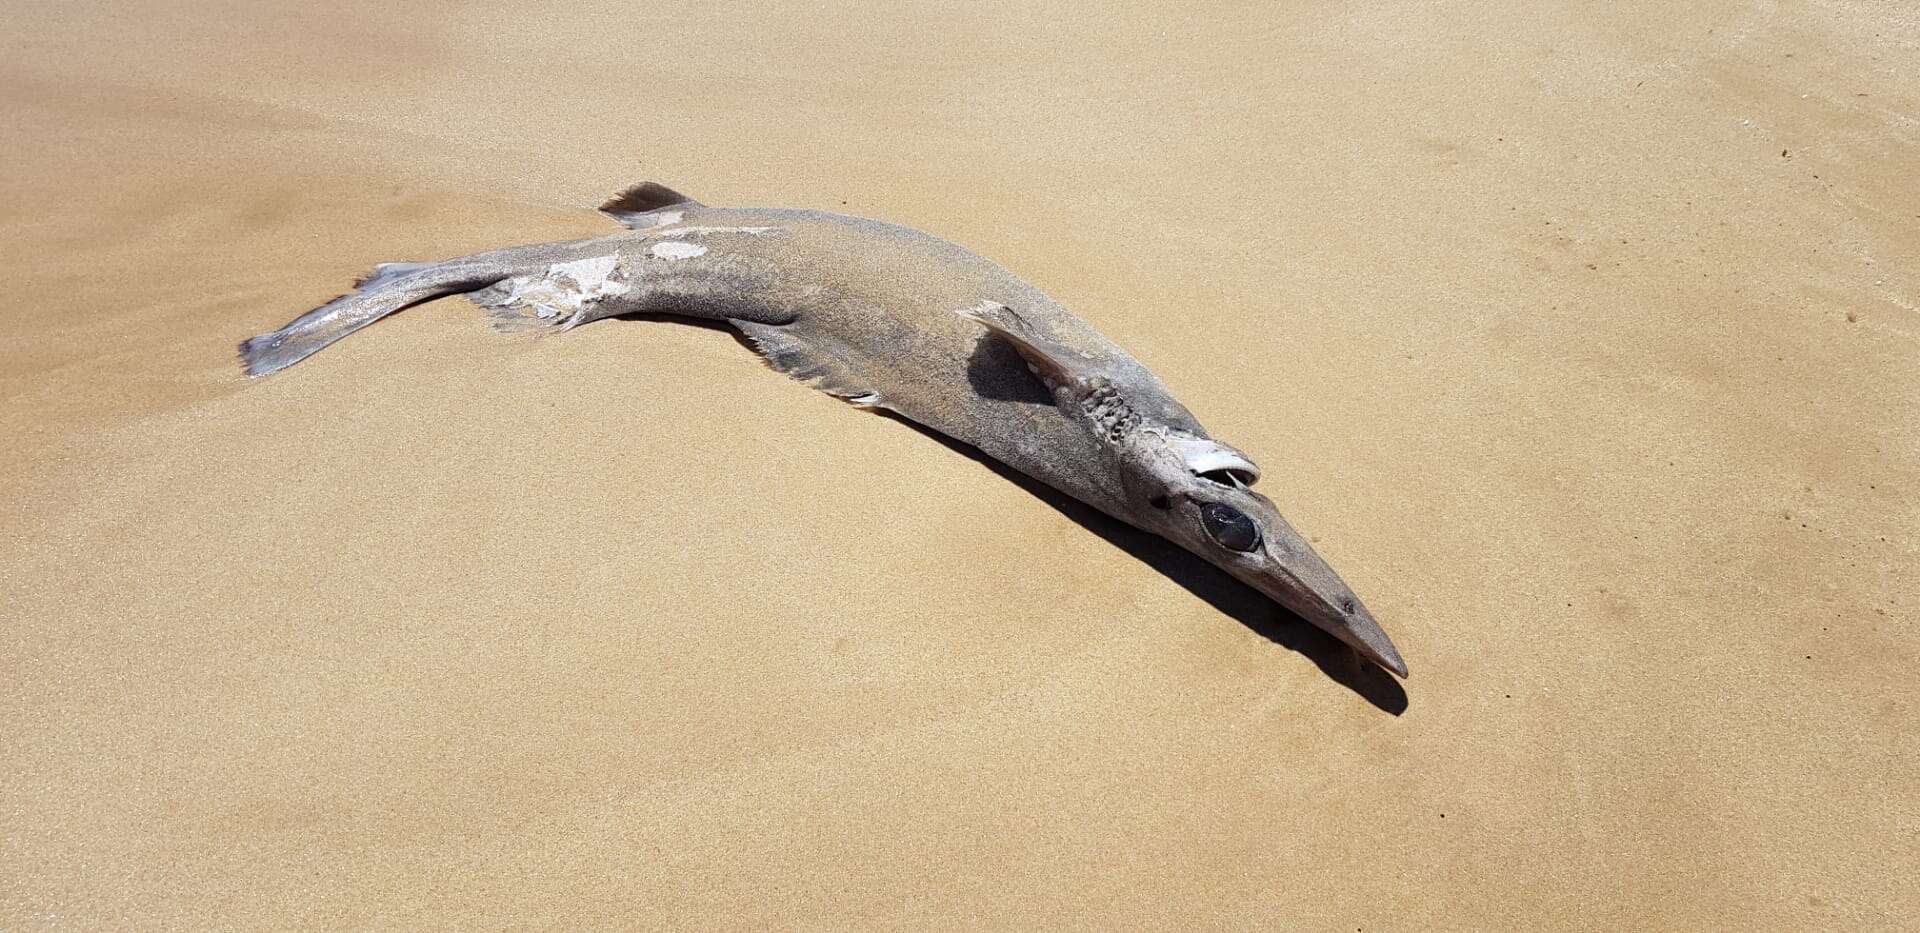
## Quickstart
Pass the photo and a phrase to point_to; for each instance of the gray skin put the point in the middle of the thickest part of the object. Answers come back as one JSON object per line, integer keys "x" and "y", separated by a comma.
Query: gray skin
{"x": 889, "y": 317}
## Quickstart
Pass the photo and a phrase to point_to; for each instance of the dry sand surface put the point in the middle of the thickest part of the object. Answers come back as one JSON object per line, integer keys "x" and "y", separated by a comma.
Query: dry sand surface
{"x": 1580, "y": 336}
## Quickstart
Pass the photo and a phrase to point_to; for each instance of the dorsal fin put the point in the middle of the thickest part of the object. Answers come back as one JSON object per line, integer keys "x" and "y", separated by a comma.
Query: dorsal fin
{"x": 629, "y": 206}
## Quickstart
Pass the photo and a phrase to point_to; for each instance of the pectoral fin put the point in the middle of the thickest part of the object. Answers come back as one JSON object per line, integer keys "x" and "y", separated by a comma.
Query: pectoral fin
{"x": 1103, "y": 400}
{"x": 1056, "y": 365}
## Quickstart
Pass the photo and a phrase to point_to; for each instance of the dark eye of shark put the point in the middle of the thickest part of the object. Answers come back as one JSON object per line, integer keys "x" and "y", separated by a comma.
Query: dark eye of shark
{"x": 1229, "y": 527}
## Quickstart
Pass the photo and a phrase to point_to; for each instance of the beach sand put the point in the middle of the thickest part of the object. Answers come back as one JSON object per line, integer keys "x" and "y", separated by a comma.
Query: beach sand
{"x": 1580, "y": 337}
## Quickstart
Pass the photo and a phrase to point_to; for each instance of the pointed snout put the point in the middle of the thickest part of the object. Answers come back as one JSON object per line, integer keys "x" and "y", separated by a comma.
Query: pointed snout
{"x": 1301, "y": 581}
{"x": 1343, "y": 617}
{"x": 1359, "y": 630}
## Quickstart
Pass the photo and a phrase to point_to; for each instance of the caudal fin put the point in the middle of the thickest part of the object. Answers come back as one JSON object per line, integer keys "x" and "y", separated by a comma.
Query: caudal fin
{"x": 390, "y": 287}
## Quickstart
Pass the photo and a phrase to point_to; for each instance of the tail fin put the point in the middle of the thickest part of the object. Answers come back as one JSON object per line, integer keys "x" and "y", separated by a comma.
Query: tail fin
{"x": 391, "y": 286}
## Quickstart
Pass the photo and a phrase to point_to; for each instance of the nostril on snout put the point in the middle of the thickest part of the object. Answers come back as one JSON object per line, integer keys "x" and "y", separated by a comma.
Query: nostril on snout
{"x": 1346, "y": 606}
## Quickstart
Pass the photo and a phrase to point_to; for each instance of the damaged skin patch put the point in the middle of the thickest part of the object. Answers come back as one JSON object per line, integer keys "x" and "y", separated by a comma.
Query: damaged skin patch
{"x": 677, "y": 249}
{"x": 558, "y": 295}
{"x": 664, "y": 219}
{"x": 704, "y": 231}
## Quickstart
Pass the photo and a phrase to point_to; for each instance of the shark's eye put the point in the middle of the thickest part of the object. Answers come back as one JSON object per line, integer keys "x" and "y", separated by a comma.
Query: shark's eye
{"x": 1229, "y": 527}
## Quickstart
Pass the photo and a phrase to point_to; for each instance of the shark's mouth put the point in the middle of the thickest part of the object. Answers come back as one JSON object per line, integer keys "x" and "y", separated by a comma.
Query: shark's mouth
{"x": 1211, "y": 460}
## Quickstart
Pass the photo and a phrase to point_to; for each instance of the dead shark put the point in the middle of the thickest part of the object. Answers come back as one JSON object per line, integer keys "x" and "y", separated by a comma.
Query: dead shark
{"x": 889, "y": 317}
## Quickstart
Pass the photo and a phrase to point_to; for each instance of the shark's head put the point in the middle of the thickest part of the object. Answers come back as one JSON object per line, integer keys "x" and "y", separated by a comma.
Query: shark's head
{"x": 1197, "y": 492}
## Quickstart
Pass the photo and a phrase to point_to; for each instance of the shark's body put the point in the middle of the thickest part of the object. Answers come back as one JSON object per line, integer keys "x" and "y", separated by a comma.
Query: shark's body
{"x": 882, "y": 315}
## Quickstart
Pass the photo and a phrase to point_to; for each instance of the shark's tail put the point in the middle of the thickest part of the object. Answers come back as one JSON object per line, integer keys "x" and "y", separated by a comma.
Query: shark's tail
{"x": 390, "y": 287}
